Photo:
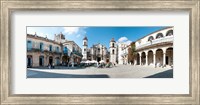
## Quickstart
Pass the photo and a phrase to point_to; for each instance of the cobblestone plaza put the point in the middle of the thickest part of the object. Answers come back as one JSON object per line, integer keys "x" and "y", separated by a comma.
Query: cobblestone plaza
{"x": 119, "y": 71}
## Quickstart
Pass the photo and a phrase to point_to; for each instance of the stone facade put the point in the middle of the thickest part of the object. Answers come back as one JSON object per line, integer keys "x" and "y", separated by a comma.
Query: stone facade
{"x": 97, "y": 52}
{"x": 43, "y": 51}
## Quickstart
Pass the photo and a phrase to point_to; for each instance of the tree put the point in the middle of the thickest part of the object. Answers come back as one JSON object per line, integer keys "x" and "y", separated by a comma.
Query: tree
{"x": 131, "y": 52}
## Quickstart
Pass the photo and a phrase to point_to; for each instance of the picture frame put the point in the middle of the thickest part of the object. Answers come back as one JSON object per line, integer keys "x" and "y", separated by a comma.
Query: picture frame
{"x": 7, "y": 7}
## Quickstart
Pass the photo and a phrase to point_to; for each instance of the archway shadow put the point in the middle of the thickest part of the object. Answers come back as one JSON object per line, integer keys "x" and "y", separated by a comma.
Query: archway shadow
{"x": 41, "y": 74}
{"x": 164, "y": 74}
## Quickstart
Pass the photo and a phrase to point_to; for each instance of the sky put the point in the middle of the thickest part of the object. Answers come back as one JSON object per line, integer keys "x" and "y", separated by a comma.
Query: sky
{"x": 95, "y": 35}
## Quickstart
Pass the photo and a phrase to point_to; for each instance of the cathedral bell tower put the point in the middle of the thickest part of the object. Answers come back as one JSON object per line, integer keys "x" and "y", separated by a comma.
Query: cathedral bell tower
{"x": 113, "y": 51}
{"x": 85, "y": 47}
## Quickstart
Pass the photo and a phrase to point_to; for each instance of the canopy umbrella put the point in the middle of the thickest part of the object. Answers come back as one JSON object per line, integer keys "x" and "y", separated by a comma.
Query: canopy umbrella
{"x": 102, "y": 61}
{"x": 87, "y": 61}
{"x": 82, "y": 61}
{"x": 93, "y": 61}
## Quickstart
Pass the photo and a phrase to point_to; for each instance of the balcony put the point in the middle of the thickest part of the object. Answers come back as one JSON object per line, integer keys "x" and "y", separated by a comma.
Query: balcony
{"x": 156, "y": 41}
{"x": 77, "y": 53}
{"x": 42, "y": 51}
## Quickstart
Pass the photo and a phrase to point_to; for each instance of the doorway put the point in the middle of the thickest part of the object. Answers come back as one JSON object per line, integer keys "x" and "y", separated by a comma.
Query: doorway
{"x": 98, "y": 59}
{"x": 50, "y": 60}
{"x": 41, "y": 60}
{"x": 29, "y": 64}
{"x": 167, "y": 60}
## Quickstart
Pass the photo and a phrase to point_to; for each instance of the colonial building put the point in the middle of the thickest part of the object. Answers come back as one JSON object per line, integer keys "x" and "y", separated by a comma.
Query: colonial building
{"x": 43, "y": 51}
{"x": 155, "y": 49}
{"x": 123, "y": 53}
{"x": 97, "y": 52}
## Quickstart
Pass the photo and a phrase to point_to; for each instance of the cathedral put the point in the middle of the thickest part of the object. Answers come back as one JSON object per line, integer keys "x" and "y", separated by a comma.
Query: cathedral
{"x": 99, "y": 52}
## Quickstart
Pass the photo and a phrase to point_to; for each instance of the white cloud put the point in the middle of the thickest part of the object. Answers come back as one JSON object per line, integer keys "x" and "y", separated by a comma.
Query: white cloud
{"x": 128, "y": 42}
{"x": 124, "y": 40}
{"x": 71, "y": 30}
{"x": 76, "y": 31}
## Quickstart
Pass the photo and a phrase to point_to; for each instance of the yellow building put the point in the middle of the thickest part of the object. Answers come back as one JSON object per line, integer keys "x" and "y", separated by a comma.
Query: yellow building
{"x": 43, "y": 51}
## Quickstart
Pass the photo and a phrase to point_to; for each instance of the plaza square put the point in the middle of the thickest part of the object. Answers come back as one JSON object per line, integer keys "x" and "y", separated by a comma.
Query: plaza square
{"x": 77, "y": 53}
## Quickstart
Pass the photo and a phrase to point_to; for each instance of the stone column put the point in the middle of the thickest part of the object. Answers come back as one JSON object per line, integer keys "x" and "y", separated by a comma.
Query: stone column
{"x": 154, "y": 59}
{"x": 72, "y": 61}
{"x": 135, "y": 62}
{"x": 140, "y": 59}
{"x": 164, "y": 55}
{"x": 146, "y": 60}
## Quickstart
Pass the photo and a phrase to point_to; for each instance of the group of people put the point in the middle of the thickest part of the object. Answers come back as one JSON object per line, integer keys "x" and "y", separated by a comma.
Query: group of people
{"x": 51, "y": 66}
{"x": 107, "y": 65}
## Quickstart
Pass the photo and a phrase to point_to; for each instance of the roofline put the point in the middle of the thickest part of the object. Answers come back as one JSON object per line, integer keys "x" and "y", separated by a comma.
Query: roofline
{"x": 42, "y": 38}
{"x": 154, "y": 32}
{"x": 71, "y": 41}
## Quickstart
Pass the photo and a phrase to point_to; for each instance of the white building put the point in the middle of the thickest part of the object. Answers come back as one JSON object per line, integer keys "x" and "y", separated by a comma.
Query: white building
{"x": 123, "y": 53}
{"x": 156, "y": 49}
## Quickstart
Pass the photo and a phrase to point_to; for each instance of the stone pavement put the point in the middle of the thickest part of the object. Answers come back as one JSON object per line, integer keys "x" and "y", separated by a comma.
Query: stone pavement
{"x": 120, "y": 71}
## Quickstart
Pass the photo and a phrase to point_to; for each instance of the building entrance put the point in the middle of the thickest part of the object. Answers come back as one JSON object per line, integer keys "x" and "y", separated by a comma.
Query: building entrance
{"x": 98, "y": 59}
{"x": 50, "y": 60}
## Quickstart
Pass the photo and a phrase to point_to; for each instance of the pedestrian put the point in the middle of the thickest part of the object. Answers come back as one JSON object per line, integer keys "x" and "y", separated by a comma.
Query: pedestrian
{"x": 53, "y": 65}
{"x": 49, "y": 66}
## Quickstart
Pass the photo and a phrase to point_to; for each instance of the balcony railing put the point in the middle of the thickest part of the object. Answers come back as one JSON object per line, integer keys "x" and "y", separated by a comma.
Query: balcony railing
{"x": 42, "y": 51}
{"x": 77, "y": 53}
{"x": 156, "y": 41}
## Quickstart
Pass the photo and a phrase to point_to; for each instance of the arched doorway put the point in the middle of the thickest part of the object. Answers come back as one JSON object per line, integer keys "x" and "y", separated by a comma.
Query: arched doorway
{"x": 29, "y": 60}
{"x": 41, "y": 60}
{"x": 169, "y": 56}
{"x": 50, "y": 60}
{"x": 150, "y": 57}
{"x": 65, "y": 60}
{"x": 107, "y": 60}
{"x": 143, "y": 59}
{"x": 57, "y": 61}
{"x": 138, "y": 59}
{"x": 159, "y": 57}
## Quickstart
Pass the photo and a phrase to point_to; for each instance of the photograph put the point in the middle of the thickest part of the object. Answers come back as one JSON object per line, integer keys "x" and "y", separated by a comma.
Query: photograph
{"x": 108, "y": 52}
{"x": 99, "y": 52}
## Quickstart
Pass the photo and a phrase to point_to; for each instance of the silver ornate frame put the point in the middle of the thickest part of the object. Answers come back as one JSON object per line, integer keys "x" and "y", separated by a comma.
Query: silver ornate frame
{"x": 8, "y": 6}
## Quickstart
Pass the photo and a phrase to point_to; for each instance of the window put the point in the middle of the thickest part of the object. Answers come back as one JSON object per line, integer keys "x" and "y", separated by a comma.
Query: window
{"x": 159, "y": 35}
{"x": 57, "y": 49}
{"x": 99, "y": 50}
{"x": 84, "y": 49}
{"x": 65, "y": 50}
{"x": 113, "y": 51}
{"x": 41, "y": 46}
{"x": 29, "y": 45}
{"x": 169, "y": 33}
{"x": 85, "y": 43}
{"x": 150, "y": 38}
{"x": 73, "y": 49}
{"x": 113, "y": 45}
{"x": 50, "y": 47}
